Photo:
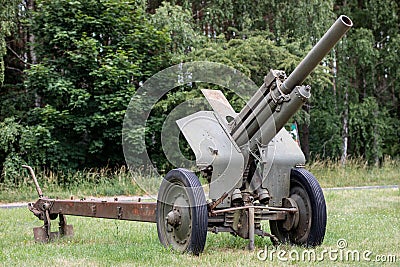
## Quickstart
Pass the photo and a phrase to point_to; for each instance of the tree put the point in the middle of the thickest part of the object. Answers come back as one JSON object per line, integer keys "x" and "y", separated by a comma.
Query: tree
{"x": 371, "y": 78}
{"x": 71, "y": 70}
{"x": 178, "y": 22}
{"x": 91, "y": 57}
{"x": 8, "y": 18}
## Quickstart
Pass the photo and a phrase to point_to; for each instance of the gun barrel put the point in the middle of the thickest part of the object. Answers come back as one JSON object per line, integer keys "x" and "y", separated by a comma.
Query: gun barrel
{"x": 317, "y": 53}
{"x": 261, "y": 118}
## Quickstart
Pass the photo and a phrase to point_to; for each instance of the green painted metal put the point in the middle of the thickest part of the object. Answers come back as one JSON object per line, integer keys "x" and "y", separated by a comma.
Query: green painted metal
{"x": 231, "y": 147}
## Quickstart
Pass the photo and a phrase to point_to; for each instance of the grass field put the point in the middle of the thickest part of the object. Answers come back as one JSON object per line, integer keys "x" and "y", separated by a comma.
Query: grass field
{"x": 369, "y": 220}
{"x": 91, "y": 182}
{"x": 356, "y": 173}
{"x": 107, "y": 182}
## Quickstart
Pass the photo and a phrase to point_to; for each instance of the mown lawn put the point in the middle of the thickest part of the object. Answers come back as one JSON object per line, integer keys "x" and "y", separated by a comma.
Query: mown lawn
{"x": 368, "y": 220}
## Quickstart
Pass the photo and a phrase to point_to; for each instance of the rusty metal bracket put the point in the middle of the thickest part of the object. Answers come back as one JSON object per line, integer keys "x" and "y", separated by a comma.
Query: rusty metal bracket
{"x": 44, "y": 234}
{"x": 214, "y": 204}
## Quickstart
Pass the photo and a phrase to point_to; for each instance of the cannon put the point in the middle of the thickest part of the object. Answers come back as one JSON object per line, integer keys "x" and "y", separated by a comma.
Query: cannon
{"x": 253, "y": 168}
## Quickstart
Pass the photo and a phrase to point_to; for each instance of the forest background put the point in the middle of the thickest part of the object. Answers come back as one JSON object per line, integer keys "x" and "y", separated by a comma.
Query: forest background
{"x": 68, "y": 70}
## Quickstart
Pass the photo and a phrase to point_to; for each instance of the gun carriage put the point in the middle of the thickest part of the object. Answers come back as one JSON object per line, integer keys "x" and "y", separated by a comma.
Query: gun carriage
{"x": 253, "y": 166}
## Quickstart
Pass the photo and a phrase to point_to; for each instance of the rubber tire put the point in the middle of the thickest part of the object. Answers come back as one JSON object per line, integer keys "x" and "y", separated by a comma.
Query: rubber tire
{"x": 197, "y": 207}
{"x": 302, "y": 178}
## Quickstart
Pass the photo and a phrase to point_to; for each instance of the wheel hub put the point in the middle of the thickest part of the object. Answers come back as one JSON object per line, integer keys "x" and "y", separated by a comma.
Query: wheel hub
{"x": 300, "y": 231}
{"x": 292, "y": 219}
{"x": 178, "y": 221}
{"x": 174, "y": 218}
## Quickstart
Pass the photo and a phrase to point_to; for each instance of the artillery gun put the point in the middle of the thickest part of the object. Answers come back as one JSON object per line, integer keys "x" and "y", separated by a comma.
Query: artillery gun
{"x": 253, "y": 166}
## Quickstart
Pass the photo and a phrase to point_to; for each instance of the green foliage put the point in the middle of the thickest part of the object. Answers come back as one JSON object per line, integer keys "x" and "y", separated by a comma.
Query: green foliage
{"x": 21, "y": 144}
{"x": 8, "y": 18}
{"x": 92, "y": 55}
{"x": 370, "y": 127}
{"x": 325, "y": 124}
{"x": 369, "y": 75}
{"x": 254, "y": 56}
{"x": 180, "y": 25}
{"x": 303, "y": 22}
